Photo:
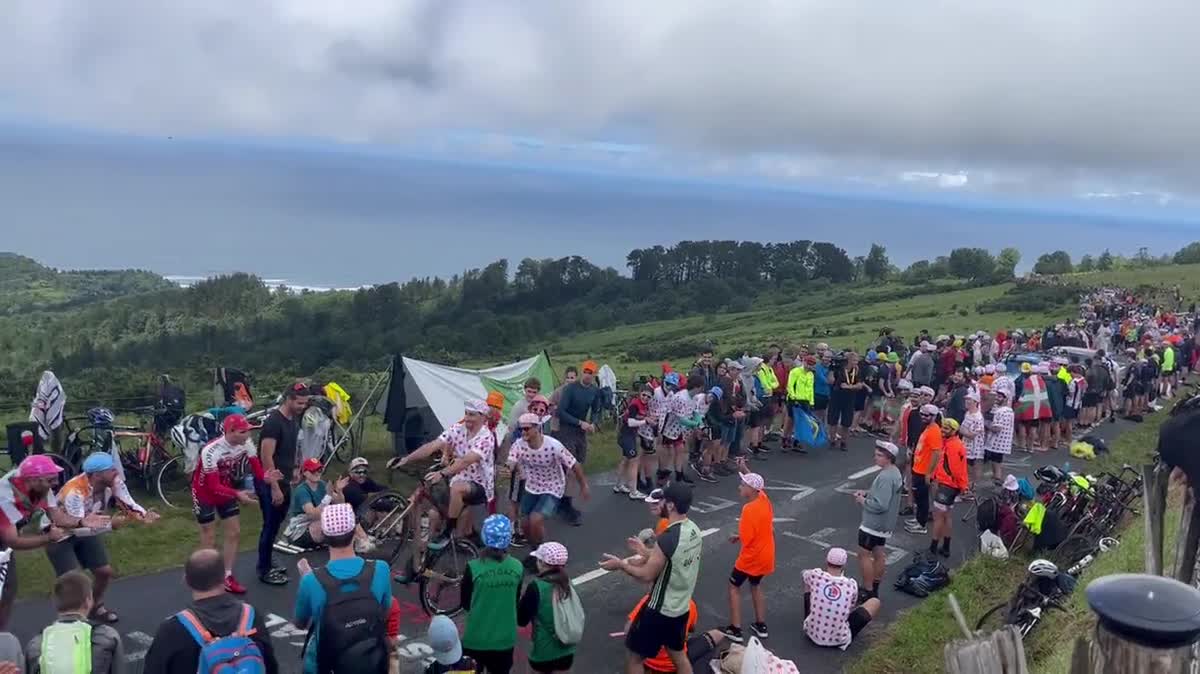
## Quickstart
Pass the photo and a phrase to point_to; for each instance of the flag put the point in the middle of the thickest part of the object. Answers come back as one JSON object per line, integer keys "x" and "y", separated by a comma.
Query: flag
{"x": 809, "y": 432}
{"x": 1035, "y": 400}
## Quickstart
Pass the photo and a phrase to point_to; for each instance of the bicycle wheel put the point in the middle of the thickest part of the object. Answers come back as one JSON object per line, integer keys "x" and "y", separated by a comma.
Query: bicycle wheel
{"x": 993, "y": 619}
{"x": 441, "y": 582}
{"x": 69, "y": 470}
{"x": 1072, "y": 550}
{"x": 174, "y": 484}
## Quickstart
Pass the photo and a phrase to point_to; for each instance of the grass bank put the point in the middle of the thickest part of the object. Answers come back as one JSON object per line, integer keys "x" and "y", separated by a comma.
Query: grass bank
{"x": 913, "y": 642}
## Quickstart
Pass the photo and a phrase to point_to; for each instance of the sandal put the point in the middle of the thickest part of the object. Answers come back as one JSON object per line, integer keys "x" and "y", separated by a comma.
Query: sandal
{"x": 101, "y": 614}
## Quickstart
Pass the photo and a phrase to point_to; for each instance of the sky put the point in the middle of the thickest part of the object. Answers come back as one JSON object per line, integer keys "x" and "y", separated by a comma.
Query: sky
{"x": 489, "y": 128}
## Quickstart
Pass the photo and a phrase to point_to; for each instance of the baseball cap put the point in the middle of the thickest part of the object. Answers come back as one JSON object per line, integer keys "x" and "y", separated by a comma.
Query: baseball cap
{"x": 554, "y": 554}
{"x": 655, "y": 496}
{"x": 476, "y": 406}
{"x": 528, "y": 419}
{"x": 836, "y": 557}
{"x": 539, "y": 398}
{"x": 679, "y": 494}
{"x": 38, "y": 465}
{"x": 888, "y": 447}
{"x": 359, "y": 462}
{"x": 753, "y": 480}
{"x": 98, "y": 462}
{"x": 989, "y": 369}
{"x": 929, "y": 410}
{"x": 443, "y": 639}
{"x": 235, "y": 423}
{"x": 337, "y": 519}
{"x": 590, "y": 367}
{"x": 312, "y": 466}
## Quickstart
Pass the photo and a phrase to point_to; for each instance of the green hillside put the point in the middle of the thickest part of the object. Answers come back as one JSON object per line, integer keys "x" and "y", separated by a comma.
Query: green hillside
{"x": 27, "y": 286}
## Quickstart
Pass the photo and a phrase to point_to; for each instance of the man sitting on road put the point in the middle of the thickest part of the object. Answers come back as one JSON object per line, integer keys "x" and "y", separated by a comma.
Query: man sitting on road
{"x": 26, "y": 495}
{"x": 86, "y": 494}
{"x": 830, "y": 616}
{"x": 174, "y": 649}
{"x": 468, "y": 452}
{"x": 71, "y": 639}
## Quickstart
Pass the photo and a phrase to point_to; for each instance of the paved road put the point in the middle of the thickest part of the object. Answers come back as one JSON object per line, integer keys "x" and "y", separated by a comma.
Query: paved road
{"x": 813, "y": 508}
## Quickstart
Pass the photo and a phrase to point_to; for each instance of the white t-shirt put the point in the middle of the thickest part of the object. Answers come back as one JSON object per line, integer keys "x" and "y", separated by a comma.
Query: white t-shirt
{"x": 545, "y": 468}
{"x": 831, "y": 600}
{"x": 482, "y": 472}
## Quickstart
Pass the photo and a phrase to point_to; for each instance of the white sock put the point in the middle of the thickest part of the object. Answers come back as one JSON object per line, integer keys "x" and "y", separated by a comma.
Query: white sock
{"x": 228, "y": 573}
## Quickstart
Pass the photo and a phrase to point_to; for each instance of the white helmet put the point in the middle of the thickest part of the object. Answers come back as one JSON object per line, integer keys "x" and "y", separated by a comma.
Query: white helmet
{"x": 1043, "y": 567}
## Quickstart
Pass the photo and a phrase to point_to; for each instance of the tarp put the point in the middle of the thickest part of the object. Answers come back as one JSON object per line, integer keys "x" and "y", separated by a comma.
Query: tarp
{"x": 443, "y": 389}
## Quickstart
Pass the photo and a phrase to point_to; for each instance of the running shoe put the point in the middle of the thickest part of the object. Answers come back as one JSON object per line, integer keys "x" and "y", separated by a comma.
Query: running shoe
{"x": 519, "y": 540}
{"x": 707, "y": 477}
{"x": 764, "y": 449}
{"x": 915, "y": 528}
{"x": 273, "y": 577}
{"x": 620, "y": 489}
{"x": 696, "y": 467}
{"x": 759, "y": 630}
{"x": 232, "y": 586}
{"x": 733, "y": 633}
{"x": 635, "y": 495}
{"x": 910, "y": 520}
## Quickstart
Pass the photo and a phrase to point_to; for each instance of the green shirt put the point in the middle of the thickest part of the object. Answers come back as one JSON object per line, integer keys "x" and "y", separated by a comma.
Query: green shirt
{"x": 671, "y": 593}
{"x": 492, "y": 614}
{"x": 545, "y": 643}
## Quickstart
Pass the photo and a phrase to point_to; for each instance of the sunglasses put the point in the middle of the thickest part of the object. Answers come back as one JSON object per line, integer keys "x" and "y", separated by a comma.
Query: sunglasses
{"x": 359, "y": 471}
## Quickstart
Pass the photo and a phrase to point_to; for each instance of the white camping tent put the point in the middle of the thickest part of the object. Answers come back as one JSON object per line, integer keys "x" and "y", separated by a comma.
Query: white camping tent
{"x": 424, "y": 398}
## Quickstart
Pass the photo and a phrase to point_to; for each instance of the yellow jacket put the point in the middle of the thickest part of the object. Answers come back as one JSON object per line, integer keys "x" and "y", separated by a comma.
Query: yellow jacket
{"x": 766, "y": 377}
{"x": 800, "y": 385}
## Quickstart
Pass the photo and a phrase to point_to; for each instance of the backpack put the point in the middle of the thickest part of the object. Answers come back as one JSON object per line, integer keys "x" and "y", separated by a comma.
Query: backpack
{"x": 923, "y": 577}
{"x": 67, "y": 648}
{"x": 569, "y": 617}
{"x": 234, "y": 653}
{"x": 353, "y": 625}
{"x": 986, "y": 514}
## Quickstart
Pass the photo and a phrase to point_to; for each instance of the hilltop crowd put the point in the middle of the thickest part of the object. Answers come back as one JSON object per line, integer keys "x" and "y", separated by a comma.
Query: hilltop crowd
{"x": 945, "y": 412}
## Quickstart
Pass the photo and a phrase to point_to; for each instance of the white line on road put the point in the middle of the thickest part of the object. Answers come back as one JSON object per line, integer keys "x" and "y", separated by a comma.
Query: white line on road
{"x": 783, "y": 519}
{"x": 600, "y": 573}
{"x": 864, "y": 472}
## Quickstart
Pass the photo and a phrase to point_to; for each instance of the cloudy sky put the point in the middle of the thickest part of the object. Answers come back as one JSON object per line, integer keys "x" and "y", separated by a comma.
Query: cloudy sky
{"x": 1076, "y": 102}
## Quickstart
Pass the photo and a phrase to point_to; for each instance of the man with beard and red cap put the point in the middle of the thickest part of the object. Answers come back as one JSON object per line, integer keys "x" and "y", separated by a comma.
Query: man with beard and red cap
{"x": 26, "y": 496}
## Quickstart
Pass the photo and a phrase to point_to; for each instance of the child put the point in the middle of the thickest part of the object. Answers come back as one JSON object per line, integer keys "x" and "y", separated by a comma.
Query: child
{"x": 756, "y": 533}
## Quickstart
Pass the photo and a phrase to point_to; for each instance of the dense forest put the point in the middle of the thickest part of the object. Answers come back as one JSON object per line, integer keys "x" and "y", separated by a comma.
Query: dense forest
{"x": 116, "y": 330}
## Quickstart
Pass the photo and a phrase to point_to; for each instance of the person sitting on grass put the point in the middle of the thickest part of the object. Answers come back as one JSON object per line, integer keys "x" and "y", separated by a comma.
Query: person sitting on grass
{"x": 831, "y": 618}
{"x": 71, "y": 639}
{"x": 309, "y": 499}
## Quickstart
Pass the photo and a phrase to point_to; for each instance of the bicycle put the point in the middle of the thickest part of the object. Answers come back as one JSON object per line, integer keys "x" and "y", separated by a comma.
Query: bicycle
{"x": 174, "y": 479}
{"x": 150, "y": 453}
{"x": 438, "y": 569}
{"x": 1044, "y": 589}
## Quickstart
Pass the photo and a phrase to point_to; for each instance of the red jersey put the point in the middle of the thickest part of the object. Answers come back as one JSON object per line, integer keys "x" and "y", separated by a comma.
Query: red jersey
{"x": 214, "y": 480}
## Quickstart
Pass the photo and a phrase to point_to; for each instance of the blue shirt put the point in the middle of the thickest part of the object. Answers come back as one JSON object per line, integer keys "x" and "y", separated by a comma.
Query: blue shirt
{"x": 303, "y": 495}
{"x": 310, "y": 599}
{"x": 820, "y": 383}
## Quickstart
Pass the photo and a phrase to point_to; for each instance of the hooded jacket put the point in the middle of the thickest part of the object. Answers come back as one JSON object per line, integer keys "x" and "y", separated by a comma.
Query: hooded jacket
{"x": 174, "y": 651}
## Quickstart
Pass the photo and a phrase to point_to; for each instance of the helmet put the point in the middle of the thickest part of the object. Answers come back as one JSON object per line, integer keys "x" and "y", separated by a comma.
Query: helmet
{"x": 179, "y": 436}
{"x": 1043, "y": 568}
{"x": 101, "y": 416}
{"x": 1051, "y": 474}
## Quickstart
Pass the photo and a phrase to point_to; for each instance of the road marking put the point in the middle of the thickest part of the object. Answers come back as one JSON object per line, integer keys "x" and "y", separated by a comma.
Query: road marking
{"x": 816, "y": 538}
{"x": 273, "y": 620}
{"x": 801, "y": 494}
{"x": 712, "y": 504}
{"x": 864, "y": 472}
{"x": 600, "y": 573}
{"x": 784, "y": 519}
{"x": 846, "y": 488}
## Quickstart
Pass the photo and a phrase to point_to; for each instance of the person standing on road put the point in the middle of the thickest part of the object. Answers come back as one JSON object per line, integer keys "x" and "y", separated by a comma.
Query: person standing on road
{"x": 544, "y": 462}
{"x": 1000, "y": 430}
{"x": 800, "y": 386}
{"x": 278, "y": 454}
{"x": 570, "y": 376}
{"x": 551, "y": 586}
{"x": 578, "y": 409}
{"x": 174, "y": 650}
{"x": 928, "y": 445}
{"x": 89, "y": 493}
{"x": 950, "y": 480}
{"x": 215, "y": 491}
{"x": 973, "y": 431}
{"x": 881, "y": 509}
{"x": 490, "y": 591}
{"x": 756, "y": 560}
{"x": 672, "y": 567}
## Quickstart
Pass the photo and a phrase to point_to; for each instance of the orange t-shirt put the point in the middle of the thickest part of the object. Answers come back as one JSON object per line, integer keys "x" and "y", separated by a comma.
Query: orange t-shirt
{"x": 954, "y": 457}
{"x": 757, "y": 533}
{"x": 929, "y": 442}
{"x": 662, "y": 661}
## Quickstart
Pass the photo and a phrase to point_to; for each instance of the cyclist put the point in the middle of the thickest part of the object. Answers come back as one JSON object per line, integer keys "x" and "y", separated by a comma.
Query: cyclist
{"x": 89, "y": 494}
{"x": 215, "y": 491}
{"x": 468, "y": 458}
{"x": 26, "y": 494}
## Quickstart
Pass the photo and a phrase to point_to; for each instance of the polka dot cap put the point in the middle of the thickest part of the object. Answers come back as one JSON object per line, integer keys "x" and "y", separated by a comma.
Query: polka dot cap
{"x": 337, "y": 519}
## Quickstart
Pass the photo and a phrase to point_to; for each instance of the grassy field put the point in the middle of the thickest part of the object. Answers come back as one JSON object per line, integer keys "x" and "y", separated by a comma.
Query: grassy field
{"x": 913, "y": 643}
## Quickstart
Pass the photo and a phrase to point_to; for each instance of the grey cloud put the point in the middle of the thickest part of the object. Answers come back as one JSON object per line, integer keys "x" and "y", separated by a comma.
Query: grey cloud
{"x": 1078, "y": 87}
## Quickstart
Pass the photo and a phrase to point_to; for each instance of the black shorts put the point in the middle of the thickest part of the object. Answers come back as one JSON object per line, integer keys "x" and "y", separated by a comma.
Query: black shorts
{"x": 558, "y": 665}
{"x": 820, "y": 402}
{"x": 841, "y": 411}
{"x": 304, "y": 540}
{"x": 647, "y": 446}
{"x": 869, "y": 542}
{"x": 860, "y": 400}
{"x": 652, "y": 631}
{"x": 858, "y": 619}
{"x": 87, "y": 552}
{"x": 207, "y": 514}
{"x": 1091, "y": 399}
{"x": 993, "y": 457}
{"x": 628, "y": 444}
{"x": 699, "y": 651}
{"x": 944, "y": 496}
{"x": 440, "y": 495}
{"x": 491, "y": 661}
{"x": 737, "y": 577}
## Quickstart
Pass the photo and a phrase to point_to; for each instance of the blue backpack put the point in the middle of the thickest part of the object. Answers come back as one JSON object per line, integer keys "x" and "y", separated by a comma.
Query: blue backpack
{"x": 236, "y": 653}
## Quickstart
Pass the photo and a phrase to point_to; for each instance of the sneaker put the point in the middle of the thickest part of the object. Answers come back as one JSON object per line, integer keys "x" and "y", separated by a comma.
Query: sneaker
{"x": 733, "y": 633}
{"x": 908, "y": 510}
{"x": 707, "y": 477}
{"x": 915, "y": 528}
{"x": 910, "y": 520}
{"x": 636, "y": 495}
{"x": 696, "y": 466}
{"x": 439, "y": 542}
{"x": 232, "y": 586}
{"x": 759, "y": 630}
{"x": 620, "y": 489}
{"x": 519, "y": 541}
{"x": 764, "y": 449}
{"x": 273, "y": 577}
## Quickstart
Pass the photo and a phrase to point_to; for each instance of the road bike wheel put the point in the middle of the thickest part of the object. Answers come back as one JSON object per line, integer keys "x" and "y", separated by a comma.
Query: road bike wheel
{"x": 174, "y": 484}
{"x": 1073, "y": 549}
{"x": 440, "y": 582}
{"x": 993, "y": 619}
{"x": 69, "y": 470}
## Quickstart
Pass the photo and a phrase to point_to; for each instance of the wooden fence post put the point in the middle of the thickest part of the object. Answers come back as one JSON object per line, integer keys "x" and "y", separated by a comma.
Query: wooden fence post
{"x": 1154, "y": 507}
